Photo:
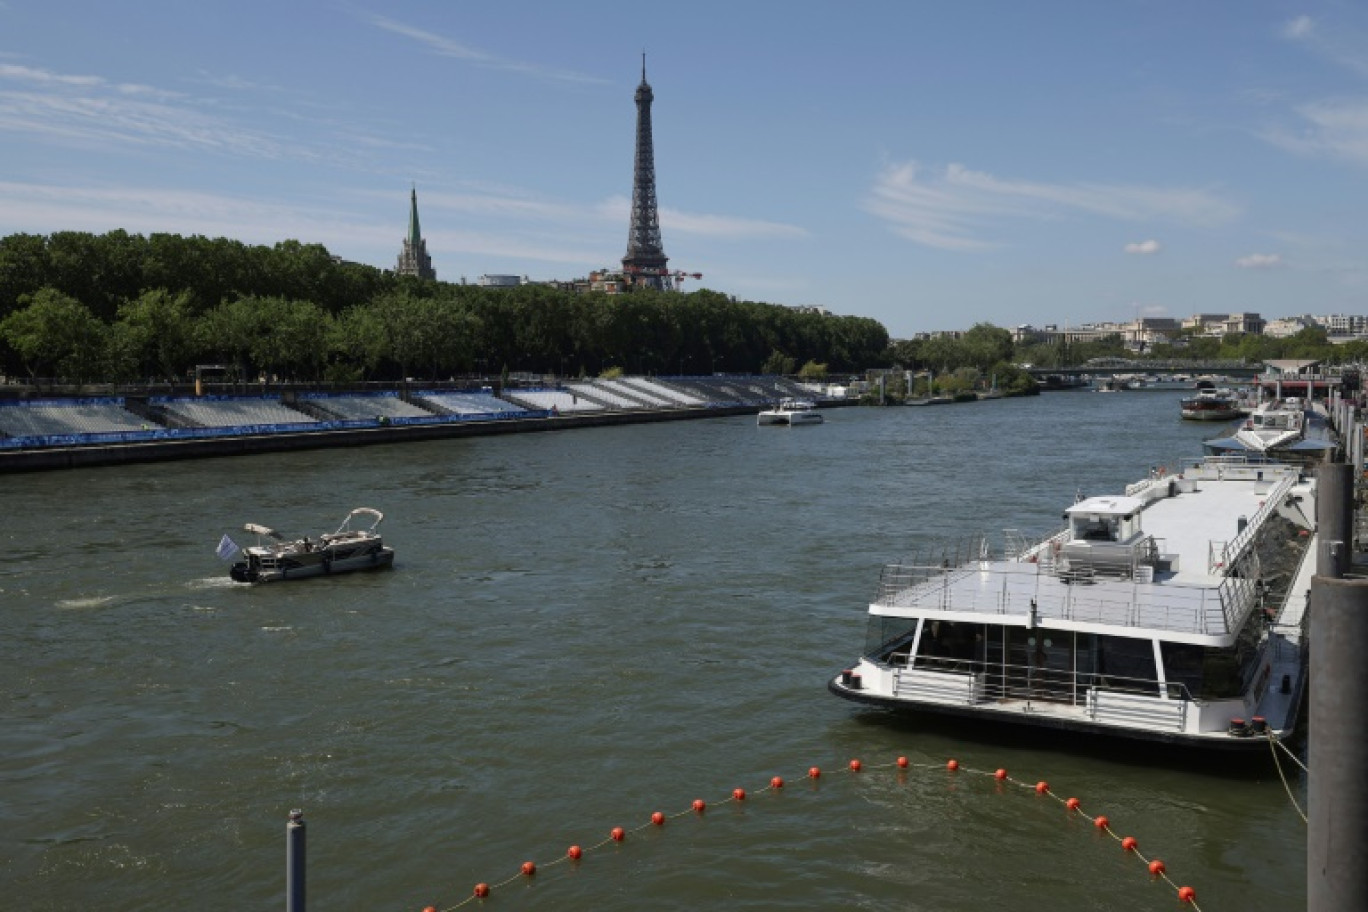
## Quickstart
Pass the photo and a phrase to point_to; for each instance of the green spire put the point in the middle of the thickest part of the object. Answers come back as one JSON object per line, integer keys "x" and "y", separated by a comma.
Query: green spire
{"x": 414, "y": 233}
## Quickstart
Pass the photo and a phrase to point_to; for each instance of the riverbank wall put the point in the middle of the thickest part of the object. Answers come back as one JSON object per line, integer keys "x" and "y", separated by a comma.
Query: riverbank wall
{"x": 94, "y": 455}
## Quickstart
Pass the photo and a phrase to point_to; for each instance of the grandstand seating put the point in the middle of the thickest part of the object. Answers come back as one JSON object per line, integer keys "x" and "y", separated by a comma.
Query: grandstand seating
{"x": 560, "y": 400}
{"x": 355, "y": 408}
{"x": 662, "y": 391}
{"x": 50, "y": 420}
{"x": 467, "y": 403}
{"x": 213, "y": 412}
{"x": 597, "y": 392}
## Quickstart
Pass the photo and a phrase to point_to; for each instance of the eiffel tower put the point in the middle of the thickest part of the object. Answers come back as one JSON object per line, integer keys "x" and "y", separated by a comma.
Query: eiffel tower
{"x": 644, "y": 264}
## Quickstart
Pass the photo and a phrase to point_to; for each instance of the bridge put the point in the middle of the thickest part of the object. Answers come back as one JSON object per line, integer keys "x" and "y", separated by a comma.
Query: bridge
{"x": 1110, "y": 367}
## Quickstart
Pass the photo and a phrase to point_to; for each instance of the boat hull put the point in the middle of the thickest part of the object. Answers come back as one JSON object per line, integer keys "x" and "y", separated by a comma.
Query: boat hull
{"x": 1206, "y": 741}
{"x": 317, "y": 564}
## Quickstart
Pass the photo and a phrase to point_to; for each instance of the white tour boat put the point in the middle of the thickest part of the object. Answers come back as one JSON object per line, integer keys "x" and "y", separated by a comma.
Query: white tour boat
{"x": 1283, "y": 429}
{"x": 791, "y": 412}
{"x": 1172, "y": 613}
{"x": 356, "y": 545}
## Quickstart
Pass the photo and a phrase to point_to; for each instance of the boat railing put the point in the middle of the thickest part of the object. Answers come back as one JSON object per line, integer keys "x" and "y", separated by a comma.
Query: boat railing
{"x": 1108, "y": 699}
{"x": 1000, "y": 588}
{"x": 1218, "y": 560}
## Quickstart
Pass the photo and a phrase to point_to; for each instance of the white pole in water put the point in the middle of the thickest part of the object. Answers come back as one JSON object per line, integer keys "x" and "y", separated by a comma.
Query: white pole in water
{"x": 294, "y": 862}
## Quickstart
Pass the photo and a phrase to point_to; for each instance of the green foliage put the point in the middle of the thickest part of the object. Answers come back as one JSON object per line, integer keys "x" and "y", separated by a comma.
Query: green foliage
{"x": 778, "y": 363}
{"x": 611, "y": 373}
{"x": 813, "y": 371}
{"x": 166, "y": 302}
{"x": 54, "y": 334}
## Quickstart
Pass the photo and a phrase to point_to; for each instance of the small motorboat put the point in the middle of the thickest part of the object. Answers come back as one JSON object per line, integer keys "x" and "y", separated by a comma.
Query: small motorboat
{"x": 356, "y": 545}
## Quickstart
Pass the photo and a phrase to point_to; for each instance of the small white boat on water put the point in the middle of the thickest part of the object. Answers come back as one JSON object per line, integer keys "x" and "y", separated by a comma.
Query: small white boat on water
{"x": 356, "y": 545}
{"x": 791, "y": 412}
{"x": 1174, "y": 612}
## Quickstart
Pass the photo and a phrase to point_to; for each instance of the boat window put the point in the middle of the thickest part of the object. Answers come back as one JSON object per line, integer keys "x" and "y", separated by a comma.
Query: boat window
{"x": 1126, "y": 663}
{"x": 948, "y": 644}
{"x": 889, "y": 634}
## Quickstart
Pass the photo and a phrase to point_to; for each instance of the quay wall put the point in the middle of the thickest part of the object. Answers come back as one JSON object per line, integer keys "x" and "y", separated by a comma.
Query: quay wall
{"x": 92, "y": 455}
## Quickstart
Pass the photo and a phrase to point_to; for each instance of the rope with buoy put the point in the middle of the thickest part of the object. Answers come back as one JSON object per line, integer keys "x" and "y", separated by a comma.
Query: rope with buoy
{"x": 576, "y": 853}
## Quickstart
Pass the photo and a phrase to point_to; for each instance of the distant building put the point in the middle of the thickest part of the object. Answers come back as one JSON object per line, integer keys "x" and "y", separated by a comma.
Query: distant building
{"x": 501, "y": 281}
{"x": 1232, "y": 324}
{"x": 413, "y": 258}
{"x": 1287, "y": 326}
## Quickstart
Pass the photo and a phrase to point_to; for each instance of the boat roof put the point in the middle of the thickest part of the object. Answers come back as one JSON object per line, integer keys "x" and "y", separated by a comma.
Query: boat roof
{"x": 1106, "y": 506}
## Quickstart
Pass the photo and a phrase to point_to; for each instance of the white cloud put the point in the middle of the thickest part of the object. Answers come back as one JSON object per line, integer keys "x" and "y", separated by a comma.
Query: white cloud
{"x": 950, "y": 210}
{"x": 1299, "y": 28}
{"x": 1143, "y": 248}
{"x": 1259, "y": 261}
{"x": 447, "y": 47}
{"x": 1333, "y": 129}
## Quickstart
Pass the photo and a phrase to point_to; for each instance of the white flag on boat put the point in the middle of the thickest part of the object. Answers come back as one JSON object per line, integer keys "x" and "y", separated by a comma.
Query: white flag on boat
{"x": 226, "y": 548}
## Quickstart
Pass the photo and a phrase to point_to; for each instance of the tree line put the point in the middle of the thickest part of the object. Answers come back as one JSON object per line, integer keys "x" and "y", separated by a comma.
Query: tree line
{"x": 121, "y": 307}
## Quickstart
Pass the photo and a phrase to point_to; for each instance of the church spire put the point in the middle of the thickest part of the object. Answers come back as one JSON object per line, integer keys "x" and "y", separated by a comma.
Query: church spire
{"x": 415, "y": 234}
{"x": 413, "y": 258}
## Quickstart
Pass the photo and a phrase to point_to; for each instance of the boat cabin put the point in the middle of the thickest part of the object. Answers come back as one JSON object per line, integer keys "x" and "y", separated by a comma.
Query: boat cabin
{"x": 1104, "y": 538}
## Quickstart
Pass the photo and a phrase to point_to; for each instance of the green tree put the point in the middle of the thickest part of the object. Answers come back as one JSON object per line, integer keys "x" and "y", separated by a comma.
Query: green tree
{"x": 55, "y": 335}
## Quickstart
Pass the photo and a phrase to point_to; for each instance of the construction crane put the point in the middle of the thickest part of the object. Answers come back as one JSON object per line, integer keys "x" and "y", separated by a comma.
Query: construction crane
{"x": 679, "y": 278}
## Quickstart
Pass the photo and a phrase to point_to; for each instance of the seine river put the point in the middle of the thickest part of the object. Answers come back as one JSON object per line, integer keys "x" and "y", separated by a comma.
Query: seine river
{"x": 581, "y": 628}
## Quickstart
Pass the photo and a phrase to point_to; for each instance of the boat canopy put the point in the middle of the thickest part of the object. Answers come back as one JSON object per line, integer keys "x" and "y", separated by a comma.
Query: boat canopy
{"x": 1114, "y": 519}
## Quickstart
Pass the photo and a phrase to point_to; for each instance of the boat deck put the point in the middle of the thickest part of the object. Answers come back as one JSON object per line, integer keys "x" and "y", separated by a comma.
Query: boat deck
{"x": 1195, "y": 601}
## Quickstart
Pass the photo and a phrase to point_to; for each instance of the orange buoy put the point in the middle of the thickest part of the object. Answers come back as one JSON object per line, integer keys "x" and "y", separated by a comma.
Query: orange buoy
{"x": 1000, "y": 775}
{"x": 738, "y": 794}
{"x": 1072, "y": 804}
{"x": 482, "y": 890}
{"x": 657, "y": 818}
{"x": 855, "y": 766}
{"x": 1101, "y": 823}
{"x": 429, "y": 909}
{"x": 1156, "y": 867}
{"x": 814, "y": 772}
{"x": 902, "y": 763}
{"x": 1187, "y": 894}
{"x": 618, "y": 834}
{"x": 699, "y": 805}
{"x": 575, "y": 852}
{"x": 1129, "y": 844}
{"x": 952, "y": 765}
{"x": 777, "y": 782}
{"x": 1042, "y": 787}
{"x": 529, "y": 868}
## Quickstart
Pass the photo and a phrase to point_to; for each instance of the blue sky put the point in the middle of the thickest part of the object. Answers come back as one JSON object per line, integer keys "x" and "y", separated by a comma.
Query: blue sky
{"x": 928, "y": 164}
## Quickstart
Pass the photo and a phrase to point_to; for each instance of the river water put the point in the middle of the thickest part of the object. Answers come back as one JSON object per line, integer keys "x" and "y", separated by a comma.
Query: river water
{"x": 581, "y": 628}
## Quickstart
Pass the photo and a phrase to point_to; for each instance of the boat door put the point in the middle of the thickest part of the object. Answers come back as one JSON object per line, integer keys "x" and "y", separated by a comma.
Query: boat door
{"x": 1035, "y": 664}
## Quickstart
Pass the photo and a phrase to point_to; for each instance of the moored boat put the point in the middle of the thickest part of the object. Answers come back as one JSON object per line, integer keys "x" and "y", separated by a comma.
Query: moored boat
{"x": 355, "y": 545}
{"x": 1149, "y": 616}
{"x": 1212, "y": 404}
{"x": 791, "y": 412}
{"x": 1283, "y": 429}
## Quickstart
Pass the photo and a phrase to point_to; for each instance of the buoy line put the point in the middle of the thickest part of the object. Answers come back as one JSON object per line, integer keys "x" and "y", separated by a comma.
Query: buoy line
{"x": 575, "y": 853}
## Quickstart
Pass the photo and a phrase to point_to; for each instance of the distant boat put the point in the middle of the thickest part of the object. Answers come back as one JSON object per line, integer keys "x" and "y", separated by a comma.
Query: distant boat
{"x": 1211, "y": 405}
{"x": 791, "y": 412}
